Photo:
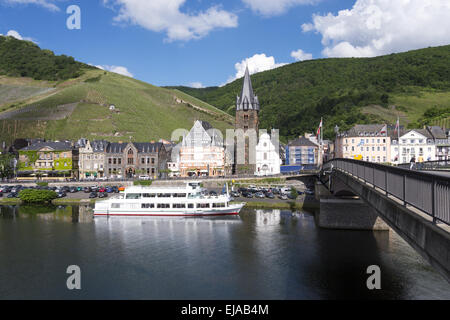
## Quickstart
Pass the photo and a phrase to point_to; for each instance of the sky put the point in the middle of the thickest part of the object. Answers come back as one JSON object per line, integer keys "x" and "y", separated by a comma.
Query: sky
{"x": 202, "y": 43}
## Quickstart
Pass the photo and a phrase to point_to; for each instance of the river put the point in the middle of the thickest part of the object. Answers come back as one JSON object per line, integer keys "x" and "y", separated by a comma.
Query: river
{"x": 263, "y": 254}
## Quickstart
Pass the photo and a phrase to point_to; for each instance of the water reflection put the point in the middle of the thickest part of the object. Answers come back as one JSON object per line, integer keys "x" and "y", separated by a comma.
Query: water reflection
{"x": 263, "y": 254}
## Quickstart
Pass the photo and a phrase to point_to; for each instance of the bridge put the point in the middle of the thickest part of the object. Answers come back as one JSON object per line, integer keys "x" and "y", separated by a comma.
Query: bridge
{"x": 415, "y": 204}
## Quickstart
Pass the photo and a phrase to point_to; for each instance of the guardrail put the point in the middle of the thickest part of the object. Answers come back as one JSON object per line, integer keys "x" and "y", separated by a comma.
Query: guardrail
{"x": 427, "y": 192}
{"x": 428, "y": 165}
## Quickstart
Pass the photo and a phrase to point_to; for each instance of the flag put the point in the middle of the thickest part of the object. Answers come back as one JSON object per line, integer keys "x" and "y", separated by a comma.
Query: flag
{"x": 384, "y": 130}
{"x": 397, "y": 126}
{"x": 320, "y": 128}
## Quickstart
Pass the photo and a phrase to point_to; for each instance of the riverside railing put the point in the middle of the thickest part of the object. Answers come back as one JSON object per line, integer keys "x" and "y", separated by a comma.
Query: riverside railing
{"x": 429, "y": 165}
{"x": 429, "y": 193}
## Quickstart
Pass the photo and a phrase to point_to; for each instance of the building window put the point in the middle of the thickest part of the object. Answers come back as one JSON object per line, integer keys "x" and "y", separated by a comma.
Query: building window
{"x": 143, "y": 160}
{"x": 246, "y": 117}
{"x": 153, "y": 160}
{"x": 114, "y": 161}
{"x": 130, "y": 161}
{"x": 120, "y": 160}
{"x": 109, "y": 160}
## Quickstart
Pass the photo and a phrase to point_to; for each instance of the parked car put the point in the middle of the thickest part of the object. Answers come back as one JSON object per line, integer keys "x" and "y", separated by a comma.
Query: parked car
{"x": 213, "y": 193}
{"x": 73, "y": 190}
{"x": 270, "y": 195}
{"x": 144, "y": 177}
{"x": 115, "y": 189}
{"x": 235, "y": 194}
{"x": 62, "y": 194}
{"x": 1, "y": 194}
{"x": 247, "y": 194}
{"x": 109, "y": 190}
{"x": 283, "y": 196}
{"x": 87, "y": 190}
{"x": 259, "y": 195}
{"x": 103, "y": 195}
{"x": 93, "y": 195}
{"x": 94, "y": 189}
{"x": 101, "y": 189}
{"x": 13, "y": 195}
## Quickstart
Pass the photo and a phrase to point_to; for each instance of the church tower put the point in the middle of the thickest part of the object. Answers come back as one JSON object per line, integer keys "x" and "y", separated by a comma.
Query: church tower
{"x": 247, "y": 118}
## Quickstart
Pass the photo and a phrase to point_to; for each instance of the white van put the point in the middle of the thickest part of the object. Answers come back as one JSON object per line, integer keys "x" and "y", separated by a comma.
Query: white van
{"x": 144, "y": 178}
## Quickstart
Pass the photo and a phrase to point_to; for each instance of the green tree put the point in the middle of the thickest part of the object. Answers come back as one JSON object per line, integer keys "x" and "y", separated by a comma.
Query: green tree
{"x": 37, "y": 196}
{"x": 6, "y": 166}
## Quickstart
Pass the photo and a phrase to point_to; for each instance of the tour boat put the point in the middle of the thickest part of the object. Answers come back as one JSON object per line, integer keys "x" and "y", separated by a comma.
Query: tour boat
{"x": 187, "y": 201}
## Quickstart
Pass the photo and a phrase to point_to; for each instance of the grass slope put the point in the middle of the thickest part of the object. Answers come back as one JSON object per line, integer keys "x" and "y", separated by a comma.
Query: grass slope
{"x": 143, "y": 112}
{"x": 344, "y": 91}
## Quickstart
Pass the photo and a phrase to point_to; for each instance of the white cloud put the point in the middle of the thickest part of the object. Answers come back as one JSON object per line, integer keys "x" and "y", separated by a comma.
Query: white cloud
{"x": 378, "y": 27}
{"x": 275, "y": 7}
{"x": 116, "y": 69}
{"x": 48, "y": 4}
{"x": 165, "y": 16}
{"x": 17, "y": 35}
{"x": 196, "y": 85}
{"x": 300, "y": 55}
{"x": 257, "y": 63}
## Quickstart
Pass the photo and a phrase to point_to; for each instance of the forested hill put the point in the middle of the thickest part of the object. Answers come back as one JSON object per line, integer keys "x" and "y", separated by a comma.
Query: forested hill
{"x": 344, "y": 91}
{"x": 20, "y": 58}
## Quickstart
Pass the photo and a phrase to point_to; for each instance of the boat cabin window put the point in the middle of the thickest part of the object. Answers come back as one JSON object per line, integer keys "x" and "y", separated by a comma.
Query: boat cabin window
{"x": 115, "y": 205}
{"x": 164, "y": 195}
{"x": 163, "y": 206}
{"x": 133, "y": 196}
{"x": 191, "y": 206}
{"x": 178, "y": 206}
{"x": 202, "y": 205}
{"x": 219, "y": 205}
{"x": 179, "y": 195}
{"x": 147, "y": 205}
{"x": 149, "y": 195}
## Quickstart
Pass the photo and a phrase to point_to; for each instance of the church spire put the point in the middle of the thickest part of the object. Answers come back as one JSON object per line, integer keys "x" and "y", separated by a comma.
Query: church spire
{"x": 247, "y": 100}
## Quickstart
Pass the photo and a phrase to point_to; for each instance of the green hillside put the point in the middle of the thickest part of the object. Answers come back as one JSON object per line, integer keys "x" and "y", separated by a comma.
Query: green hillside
{"x": 346, "y": 91}
{"x": 72, "y": 108}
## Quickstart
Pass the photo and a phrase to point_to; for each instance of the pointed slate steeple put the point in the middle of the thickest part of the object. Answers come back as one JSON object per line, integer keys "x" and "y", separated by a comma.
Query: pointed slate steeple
{"x": 247, "y": 100}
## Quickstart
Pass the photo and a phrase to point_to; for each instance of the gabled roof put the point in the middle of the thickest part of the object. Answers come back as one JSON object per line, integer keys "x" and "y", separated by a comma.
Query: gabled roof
{"x": 302, "y": 142}
{"x": 57, "y": 146}
{"x": 141, "y": 147}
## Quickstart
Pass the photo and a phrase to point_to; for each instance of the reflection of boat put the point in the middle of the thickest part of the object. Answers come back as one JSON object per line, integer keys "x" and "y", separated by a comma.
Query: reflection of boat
{"x": 167, "y": 201}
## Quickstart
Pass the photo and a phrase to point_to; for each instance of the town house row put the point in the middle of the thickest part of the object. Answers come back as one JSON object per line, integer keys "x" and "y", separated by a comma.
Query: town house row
{"x": 103, "y": 159}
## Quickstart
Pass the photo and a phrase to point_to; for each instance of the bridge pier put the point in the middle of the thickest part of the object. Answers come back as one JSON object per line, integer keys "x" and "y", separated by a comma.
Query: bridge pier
{"x": 346, "y": 213}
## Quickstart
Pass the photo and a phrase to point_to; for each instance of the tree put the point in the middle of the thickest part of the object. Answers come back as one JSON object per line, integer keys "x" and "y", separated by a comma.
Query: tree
{"x": 37, "y": 196}
{"x": 6, "y": 165}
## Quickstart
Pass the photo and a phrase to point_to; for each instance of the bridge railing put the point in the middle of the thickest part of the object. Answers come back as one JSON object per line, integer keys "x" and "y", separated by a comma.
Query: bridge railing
{"x": 428, "y": 165}
{"x": 427, "y": 192}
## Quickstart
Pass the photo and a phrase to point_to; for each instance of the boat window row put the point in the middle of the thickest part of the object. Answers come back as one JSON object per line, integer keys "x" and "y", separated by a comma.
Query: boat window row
{"x": 175, "y": 205}
{"x": 134, "y": 196}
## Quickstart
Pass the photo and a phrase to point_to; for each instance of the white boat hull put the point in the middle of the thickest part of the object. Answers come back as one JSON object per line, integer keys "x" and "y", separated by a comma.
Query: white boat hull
{"x": 232, "y": 210}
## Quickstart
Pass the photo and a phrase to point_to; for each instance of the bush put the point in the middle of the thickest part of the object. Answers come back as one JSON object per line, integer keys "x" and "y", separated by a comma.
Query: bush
{"x": 37, "y": 196}
{"x": 294, "y": 193}
{"x": 143, "y": 183}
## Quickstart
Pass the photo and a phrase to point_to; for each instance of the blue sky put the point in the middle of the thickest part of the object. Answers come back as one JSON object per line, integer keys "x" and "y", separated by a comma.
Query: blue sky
{"x": 200, "y": 42}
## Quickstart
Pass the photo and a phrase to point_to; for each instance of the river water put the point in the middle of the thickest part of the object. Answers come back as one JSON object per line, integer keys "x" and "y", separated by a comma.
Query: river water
{"x": 263, "y": 254}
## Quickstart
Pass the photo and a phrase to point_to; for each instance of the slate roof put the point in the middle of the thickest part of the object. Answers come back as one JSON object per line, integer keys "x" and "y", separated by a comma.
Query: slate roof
{"x": 302, "y": 142}
{"x": 247, "y": 94}
{"x": 57, "y": 146}
{"x": 142, "y": 147}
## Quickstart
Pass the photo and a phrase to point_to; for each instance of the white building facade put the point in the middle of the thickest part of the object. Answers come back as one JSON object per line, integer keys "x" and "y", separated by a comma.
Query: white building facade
{"x": 268, "y": 160}
{"x": 414, "y": 143}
